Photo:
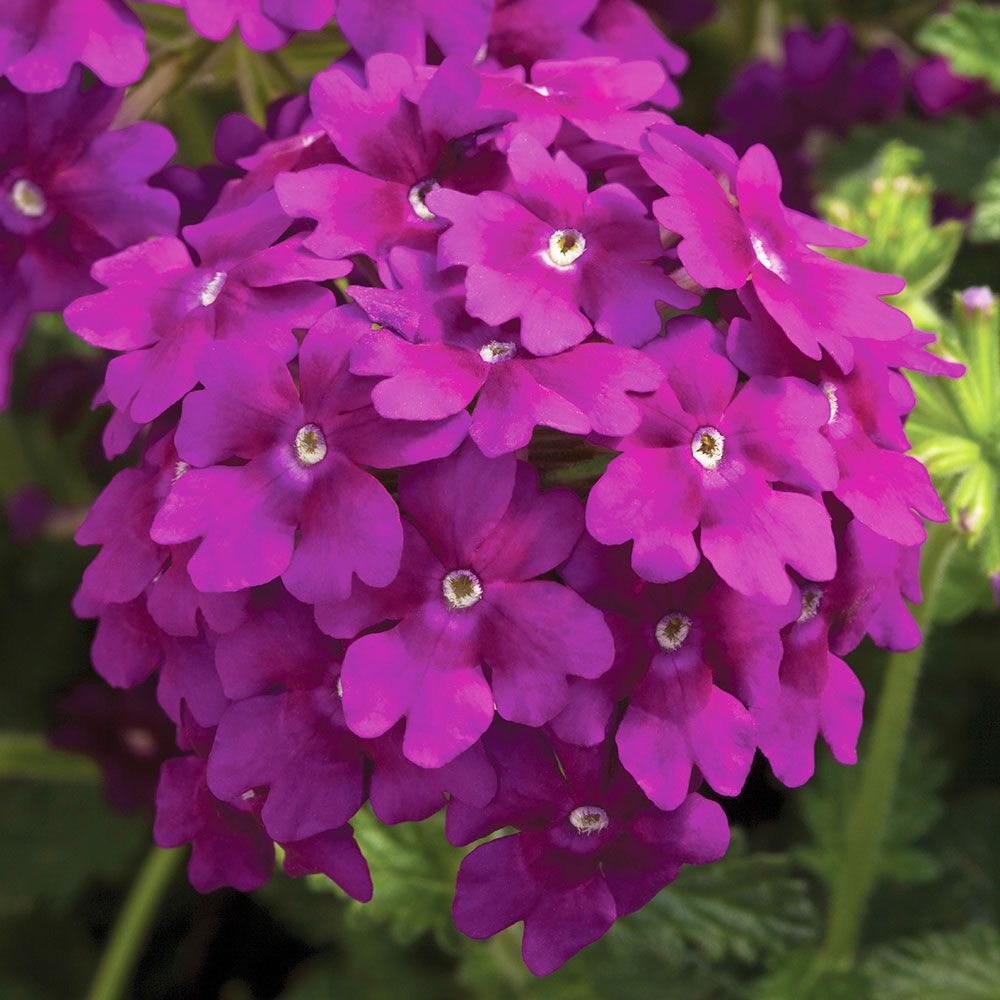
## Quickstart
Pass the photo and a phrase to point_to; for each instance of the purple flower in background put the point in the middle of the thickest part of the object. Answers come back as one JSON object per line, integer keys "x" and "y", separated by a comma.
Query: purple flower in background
{"x": 263, "y": 24}
{"x": 938, "y": 90}
{"x": 823, "y": 84}
{"x": 125, "y": 732}
{"x": 582, "y": 390}
{"x": 561, "y": 260}
{"x": 402, "y": 137}
{"x": 162, "y": 309}
{"x": 71, "y": 192}
{"x": 590, "y": 847}
{"x": 474, "y": 601}
{"x": 704, "y": 456}
{"x": 40, "y": 40}
{"x": 736, "y": 234}
{"x": 303, "y": 449}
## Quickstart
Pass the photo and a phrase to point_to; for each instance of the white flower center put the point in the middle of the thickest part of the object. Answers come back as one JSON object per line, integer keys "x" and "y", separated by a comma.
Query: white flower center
{"x": 212, "y": 288}
{"x": 810, "y": 604}
{"x": 708, "y": 446}
{"x": 566, "y": 247}
{"x": 544, "y": 91}
{"x": 461, "y": 589}
{"x": 481, "y": 53}
{"x": 179, "y": 469}
{"x": 497, "y": 350}
{"x": 418, "y": 194}
{"x": 830, "y": 391}
{"x": 28, "y": 199}
{"x": 589, "y": 819}
{"x": 340, "y": 688}
{"x": 310, "y": 444}
{"x": 672, "y": 630}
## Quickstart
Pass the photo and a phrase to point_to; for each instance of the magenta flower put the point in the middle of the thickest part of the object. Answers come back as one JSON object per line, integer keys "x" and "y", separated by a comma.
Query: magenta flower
{"x": 263, "y": 24}
{"x": 301, "y": 507}
{"x": 525, "y": 31}
{"x": 474, "y": 603}
{"x": 887, "y": 490}
{"x": 596, "y": 95}
{"x": 402, "y": 137}
{"x": 736, "y": 234}
{"x": 704, "y": 456}
{"x": 591, "y": 848}
{"x": 818, "y": 695}
{"x": 41, "y": 40}
{"x": 71, "y": 192}
{"x": 229, "y": 847}
{"x": 681, "y": 645}
{"x": 561, "y": 260}
{"x": 582, "y": 390}
{"x": 296, "y": 746}
{"x": 162, "y": 309}
{"x": 403, "y": 26}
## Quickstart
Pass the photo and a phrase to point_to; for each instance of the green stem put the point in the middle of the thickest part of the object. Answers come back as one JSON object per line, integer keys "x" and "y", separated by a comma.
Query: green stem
{"x": 879, "y": 771}
{"x": 124, "y": 947}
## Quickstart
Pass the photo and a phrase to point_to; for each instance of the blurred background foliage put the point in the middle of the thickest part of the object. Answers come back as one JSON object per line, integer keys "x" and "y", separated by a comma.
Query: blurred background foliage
{"x": 926, "y": 193}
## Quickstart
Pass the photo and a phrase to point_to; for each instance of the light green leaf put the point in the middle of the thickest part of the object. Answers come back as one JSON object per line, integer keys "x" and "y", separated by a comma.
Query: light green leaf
{"x": 964, "y": 965}
{"x": 968, "y": 35}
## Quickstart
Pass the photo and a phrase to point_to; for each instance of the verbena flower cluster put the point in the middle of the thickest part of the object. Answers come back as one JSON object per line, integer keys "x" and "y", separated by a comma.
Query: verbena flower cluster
{"x": 477, "y": 263}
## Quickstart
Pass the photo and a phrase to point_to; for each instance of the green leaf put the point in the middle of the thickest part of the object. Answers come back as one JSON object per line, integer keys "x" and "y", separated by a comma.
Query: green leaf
{"x": 413, "y": 869}
{"x": 968, "y": 36}
{"x": 985, "y": 225}
{"x": 27, "y": 755}
{"x": 964, "y": 965}
{"x": 959, "y": 152}
{"x": 57, "y": 838}
{"x": 826, "y": 801}
{"x": 795, "y": 977}
{"x": 744, "y": 907}
{"x": 890, "y": 205}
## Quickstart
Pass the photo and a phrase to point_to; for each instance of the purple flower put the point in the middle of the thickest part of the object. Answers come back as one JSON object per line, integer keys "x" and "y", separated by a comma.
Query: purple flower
{"x": 402, "y": 137}
{"x": 296, "y": 747}
{"x": 456, "y": 29}
{"x": 229, "y": 846}
{"x": 938, "y": 90}
{"x": 682, "y": 644}
{"x": 40, "y": 40}
{"x": 125, "y": 732}
{"x": 887, "y": 490}
{"x": 561, "y": 260}
{"x": 301, "y": 507}
{"x": 595, "y": 95}
{"x": 818, "y": 695}
{"x": 525, "y": 31}
{"x": 473, "y": 601}
{"x": 263, "y": 24}
{"x": 590, "y": 847}
{"x": 70, "y": 193}
{"x": 163, "y": 309}
{"x": 822, "y": 85}
{"x": 707, "y": 453}
{"x": 736, "y": 234}
{"x": 582, "y": 390}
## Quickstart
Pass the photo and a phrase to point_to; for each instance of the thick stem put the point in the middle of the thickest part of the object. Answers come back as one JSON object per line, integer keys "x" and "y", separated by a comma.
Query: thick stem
{"x": 128, "y": 937}
{"x": 879, "y": 771}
